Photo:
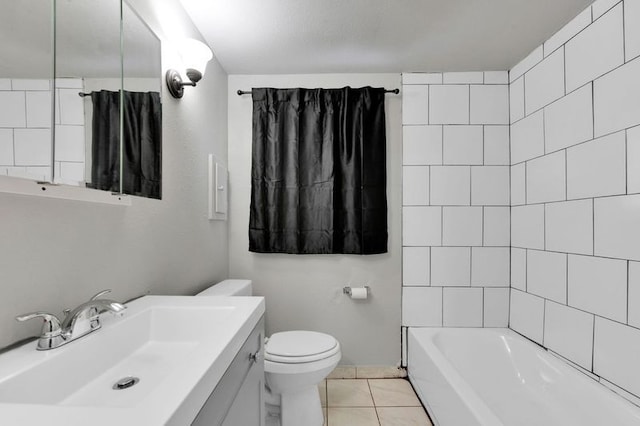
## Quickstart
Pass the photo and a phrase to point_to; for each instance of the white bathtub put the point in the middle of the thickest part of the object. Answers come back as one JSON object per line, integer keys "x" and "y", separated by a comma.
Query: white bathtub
{"x": 494, "y": 377}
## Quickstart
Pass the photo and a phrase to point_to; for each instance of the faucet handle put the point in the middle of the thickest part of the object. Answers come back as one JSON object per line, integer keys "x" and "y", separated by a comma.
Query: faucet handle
{"x": 51, "y": 324}
{"x": 100, "y": 294}
{"x": 51, "y": 335}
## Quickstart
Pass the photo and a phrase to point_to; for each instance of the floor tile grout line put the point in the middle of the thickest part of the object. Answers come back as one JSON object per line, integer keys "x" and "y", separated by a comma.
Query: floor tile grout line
{"x": 375, "y": 408}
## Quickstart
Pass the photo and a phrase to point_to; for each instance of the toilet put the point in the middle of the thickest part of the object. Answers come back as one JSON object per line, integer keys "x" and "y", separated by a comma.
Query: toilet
{"x": 295, "y": 362}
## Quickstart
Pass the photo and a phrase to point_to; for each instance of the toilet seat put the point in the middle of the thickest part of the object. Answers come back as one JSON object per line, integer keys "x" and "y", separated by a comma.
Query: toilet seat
{"x": 296, "y": 347}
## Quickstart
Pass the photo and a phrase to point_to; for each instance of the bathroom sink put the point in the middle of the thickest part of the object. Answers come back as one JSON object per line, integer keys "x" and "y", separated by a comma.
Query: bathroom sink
{"x": 177, "y": 347}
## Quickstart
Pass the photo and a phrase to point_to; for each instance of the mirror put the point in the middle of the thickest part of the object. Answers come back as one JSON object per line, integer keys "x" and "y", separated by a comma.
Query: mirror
{"x": 87, "y": 58}
{"x": 26, "y": 73}
{"x": 91, "y": 148}
{"x": 142, "y": 83}
{"x": 94, "y": 60}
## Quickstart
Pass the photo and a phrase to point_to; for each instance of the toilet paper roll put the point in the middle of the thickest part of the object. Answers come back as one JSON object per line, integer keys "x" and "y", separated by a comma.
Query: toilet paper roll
{"x": 359, "y": 293}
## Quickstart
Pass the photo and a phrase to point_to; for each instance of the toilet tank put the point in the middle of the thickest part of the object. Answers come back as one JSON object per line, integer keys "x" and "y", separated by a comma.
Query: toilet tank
{"x": 229, "y": 288}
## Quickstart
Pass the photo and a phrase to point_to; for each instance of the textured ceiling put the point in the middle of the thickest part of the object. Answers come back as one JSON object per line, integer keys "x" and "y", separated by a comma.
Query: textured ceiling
{"x": 336, "y": 36}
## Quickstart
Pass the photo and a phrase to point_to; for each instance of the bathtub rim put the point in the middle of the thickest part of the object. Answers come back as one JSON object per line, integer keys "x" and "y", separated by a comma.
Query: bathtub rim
{"x": 424, "y": 336}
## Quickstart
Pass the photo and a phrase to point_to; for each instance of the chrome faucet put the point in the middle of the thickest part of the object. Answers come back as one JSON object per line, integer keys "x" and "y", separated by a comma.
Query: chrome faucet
{"x": 78, "y": 322}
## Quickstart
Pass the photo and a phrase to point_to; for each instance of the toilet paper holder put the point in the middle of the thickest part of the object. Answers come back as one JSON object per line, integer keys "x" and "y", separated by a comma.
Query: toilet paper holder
{"x": 347, "y": 290}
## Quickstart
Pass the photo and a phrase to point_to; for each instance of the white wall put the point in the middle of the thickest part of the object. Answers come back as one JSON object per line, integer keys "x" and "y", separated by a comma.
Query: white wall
{"x": 305, "y": 291}
{"x": 455, "y": 200}
{"x": 54, "y": 254}
{"x": 575, "y": 192}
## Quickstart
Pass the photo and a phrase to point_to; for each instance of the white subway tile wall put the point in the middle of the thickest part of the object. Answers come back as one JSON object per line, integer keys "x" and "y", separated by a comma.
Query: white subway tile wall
{"x": 633, "y": 159}
{"x": 497, "y": 226}
{"x": 422, "y": 306}
{"x": 463, "y": 77}
{"x": 421, "y": 145}
{"x": 450, "y": 185}
{"x": 634, "y": 294}
{"x": 490, "y": 266}
{"x": 496, "y": 307}
{"x": 596, "y": 50}
{"x": 616, "y": 227}
{"x": 546, "y": 178}
{"x": 597, "y": 168}
{"x": 462, "y": 145}
{"x": 527, "y": 226}
{"x": 496, "y": 77}
{"x": 25, "y": 129}
{"x": 490, "y": 185}
{"x": 6, "y": 147}
{"x": 32, "y": 147}
{"x": 616, "y": 99}
{"x": 415, "y": 266}
{"x": 569, "y": 332}
{"x": 569, "y": 120}
{"x": 544, "y": 83}
{"x": 449, "y": 104}
{"x": 462, "y": 226}
{"x": 575, "y": 180}
{"x": 526, "y": 315}
{"x": 422, "y": 78}
{"x": 415, "y": 191}
{"x": 71, "y": 107}
{"x": 569, "y": 227}
{"x": 496, "y": 145}
{"x": 422, "y": 226}
{"x": 489, "y": 104}
{"x": 462, "y": 307}
{"x": 632, "y": 29}
{"x": 38, "y": 110}
{"x": 456, "y": 262}
{"x": 518, "y": 184}
{"x": 599, "y": 285}
{"x": 615, "y": 355}
{"x": 527, "y": 138}
{"x": 519, "y": 268}
{"x": 415, "y": 104}
{"x": 547, "y": 275}
{"x": 451, "y": 266}
{"x": 516, "y": 100}
{"x": 12, "y": 109}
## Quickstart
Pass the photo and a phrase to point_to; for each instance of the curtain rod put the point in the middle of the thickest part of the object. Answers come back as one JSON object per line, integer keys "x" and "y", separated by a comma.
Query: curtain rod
{"x": 248, "y": 92}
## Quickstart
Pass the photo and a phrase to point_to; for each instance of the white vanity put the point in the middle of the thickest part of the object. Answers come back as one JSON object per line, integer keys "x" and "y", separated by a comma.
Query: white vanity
{"x": 198, "y": 361}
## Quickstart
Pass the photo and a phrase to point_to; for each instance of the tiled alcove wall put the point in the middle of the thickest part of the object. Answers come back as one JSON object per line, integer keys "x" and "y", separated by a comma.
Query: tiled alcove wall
{"x": 455, "y": 199}
{"x": 25, "y": 129}
{"x": 575, "y": 192}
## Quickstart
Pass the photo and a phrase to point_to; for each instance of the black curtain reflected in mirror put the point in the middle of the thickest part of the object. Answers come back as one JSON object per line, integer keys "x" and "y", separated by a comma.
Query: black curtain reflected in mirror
{"x": 142, "y": 147}
{"x": 318, "y": 171}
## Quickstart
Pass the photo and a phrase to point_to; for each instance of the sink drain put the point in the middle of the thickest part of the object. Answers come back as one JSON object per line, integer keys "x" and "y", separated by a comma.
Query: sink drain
{"x": 125, "y": 383}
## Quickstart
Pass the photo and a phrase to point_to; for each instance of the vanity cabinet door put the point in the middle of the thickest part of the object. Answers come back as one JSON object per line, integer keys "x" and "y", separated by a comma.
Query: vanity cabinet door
{"x": 248, "y": 407}
{"x": 238, "y": 399}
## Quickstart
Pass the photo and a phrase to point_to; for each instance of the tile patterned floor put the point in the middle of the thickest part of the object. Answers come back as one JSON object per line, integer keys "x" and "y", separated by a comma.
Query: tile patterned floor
{"x": 371, "y": 402}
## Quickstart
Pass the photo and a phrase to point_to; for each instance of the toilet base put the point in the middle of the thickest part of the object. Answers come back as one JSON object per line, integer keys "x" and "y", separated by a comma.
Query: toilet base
{"x": 301, "y": 407}
{"x": 272, "y": 415}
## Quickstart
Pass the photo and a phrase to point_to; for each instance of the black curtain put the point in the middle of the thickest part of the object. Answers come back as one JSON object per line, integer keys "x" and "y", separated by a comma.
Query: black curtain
{"x": 318, "y": 171}
{"x": 142, "y": 147}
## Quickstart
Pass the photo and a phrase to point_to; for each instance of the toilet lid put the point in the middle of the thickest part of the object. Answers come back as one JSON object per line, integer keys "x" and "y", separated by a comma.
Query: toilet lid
{"x": 300, "y": 346}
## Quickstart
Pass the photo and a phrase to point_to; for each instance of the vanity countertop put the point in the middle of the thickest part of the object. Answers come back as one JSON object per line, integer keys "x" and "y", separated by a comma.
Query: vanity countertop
{"x": 178, "y": 346}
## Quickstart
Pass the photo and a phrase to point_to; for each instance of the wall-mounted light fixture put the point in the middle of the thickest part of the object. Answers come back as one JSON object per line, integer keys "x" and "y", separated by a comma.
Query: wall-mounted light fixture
{"x": 195, "y": 55}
